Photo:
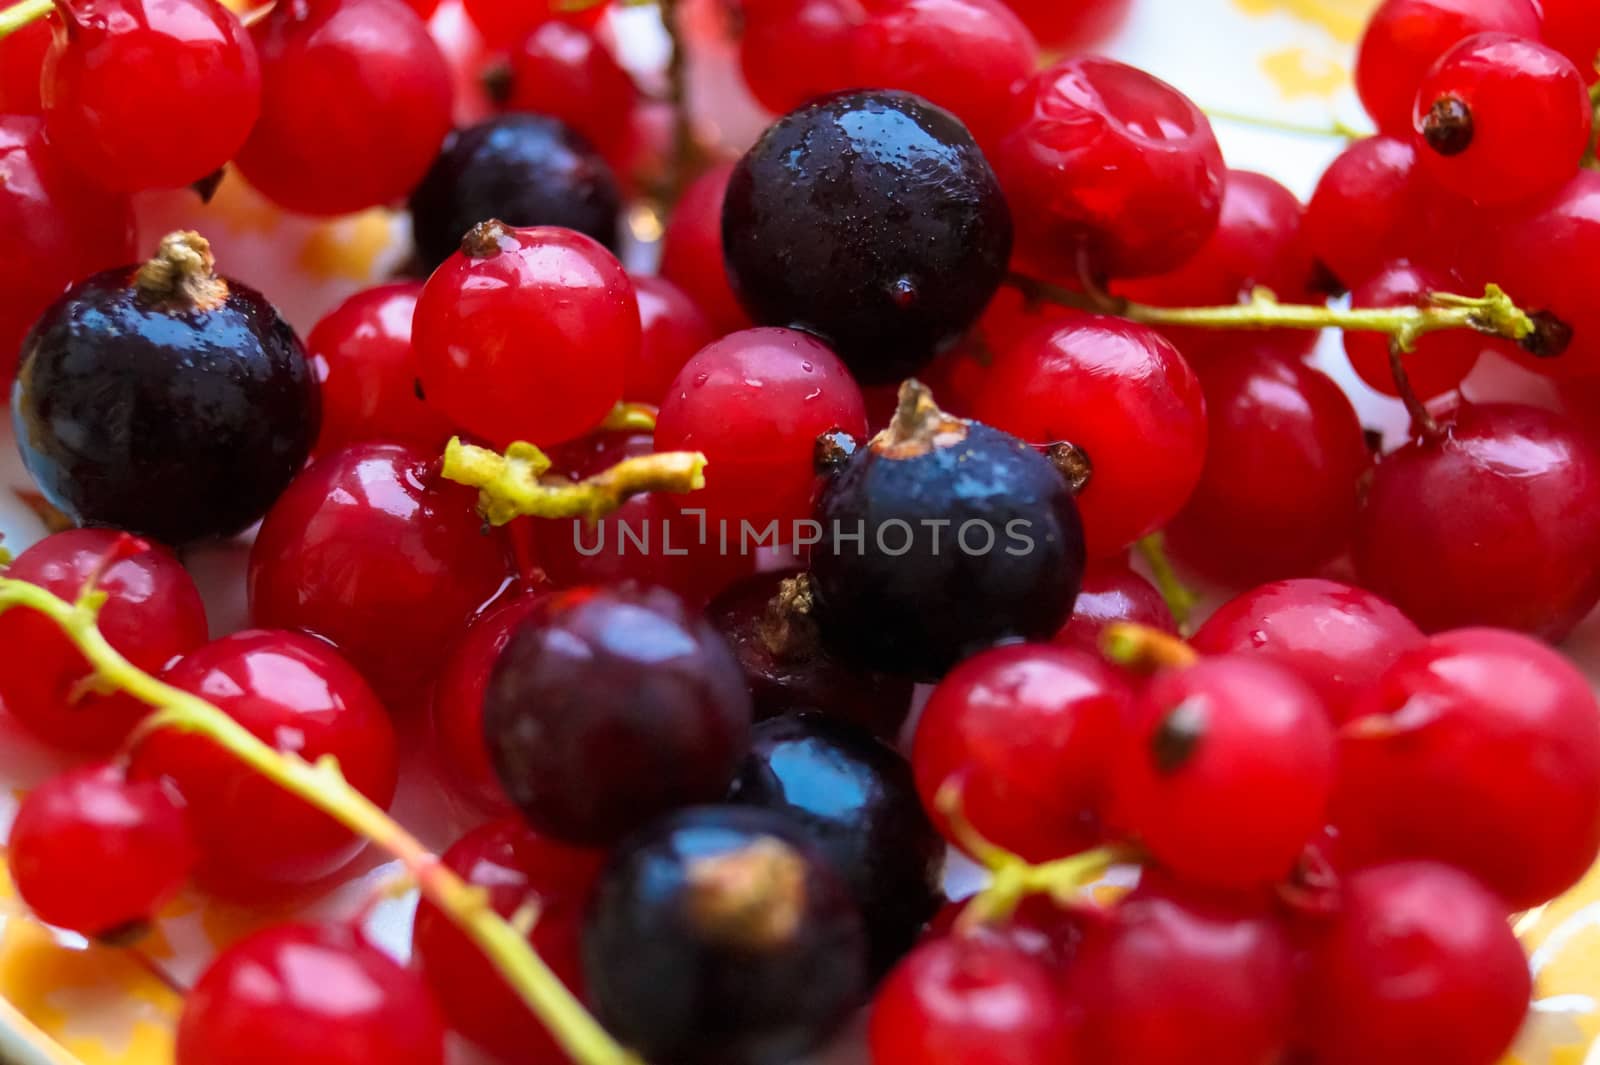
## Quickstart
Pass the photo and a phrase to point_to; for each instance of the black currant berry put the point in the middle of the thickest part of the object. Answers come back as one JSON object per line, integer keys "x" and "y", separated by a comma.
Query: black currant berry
{"x": 525, "y": 170}
{"x": 164, "y": 400}
{"x": 611, "y": 706}
{"x": 856, "y": 802}
{"x": 717, "y": 936}
{"x": 940, "y": 538}
{"x": 873, "y": 220}
{"x": 766, "y": 619}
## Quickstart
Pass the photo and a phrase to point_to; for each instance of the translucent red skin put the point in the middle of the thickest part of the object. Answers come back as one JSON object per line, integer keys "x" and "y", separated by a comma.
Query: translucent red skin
{"x": 647, "y": 539}
{"x": 691, "y": 250}
{"x": 960, "y": 1000}
{"x": 293, "y": 692}
{"x": 458, "y": 700}
{"x": 21, "y": 60}
{"x": 1097, "y": 192}
{"x": 1281, "y": 485}
{"x": 1265, "y": 757}
{"x": 1541, "y": 257}
{"x": 516, "y": 867}
{"x": 1027, "y": 732}
{"x": 563, "y": 70}
{"x": 1419, "y": 964}
{"x": 55, "y": 228}
{"x": 1496, "y": 524}
{"x": 967, "y": 56}
{"x": 1531, "y": 118}
{"x": 1122, "y": 393}
{"x": 311, "y": 994}
{"x": 528, "y": 343}
{"x": 369, "y": 548}
{"x": 363, "y": 357}
{"x": 1066, "y": 27}
{"x": 152, "y": 614}
{"x": 118, "y": 64}
{"x": 1573, "y": 27}
{"x": 1441, "y": 360}
{"x": 1404, "y": 38}
{"x": 1165, "y": 980}
{"x": 500, "y": 22}
{"x": 361, "y": 74}
{"x": 1258, "y": 242}
{"x": 673, "y": 329}
{"x": 1336, "y": 638}
{"x": 93, "y": 852}
{"x": 1366, "y": 207}
{"x": 1427, "y": 759}
{"x": 792, "y": 51}
{"x": 1113, "y": 592}
{"x": 754, "y": 403}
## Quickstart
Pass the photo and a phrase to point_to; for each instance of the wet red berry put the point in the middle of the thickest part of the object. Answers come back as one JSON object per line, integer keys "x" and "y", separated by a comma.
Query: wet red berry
{"x": 1441, "y": 360}
{"x": 1112, "y": 591}
{"x": 674, "y": 330}
{"x": 691, "y": 250}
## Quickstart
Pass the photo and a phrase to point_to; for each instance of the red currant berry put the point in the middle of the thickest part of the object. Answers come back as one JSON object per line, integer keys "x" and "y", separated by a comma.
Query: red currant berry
{"x": 98, "y": 854}
{"x": 371, "y": 549}
{"x": 518, "y": 869}
{"x": 1404, "y": 38}
{"x": 1258, "y": 242}
{"x": 356, "y": 101}
{"x": 970, "y": 1001}
{"x": 1419, "y": 965}
{"x": 1541, "y": 260}
{"x": 524, "y": 333}
{"x": 1573, "y": 27}
{"x": 363, "y": 357}
{"x": 296, "y": 694}
{"x": 566, "y": 72}
{"x": 754, "y": 403}
{"x": 152, "y": 614}
{"x": 793, "y": 51}
{"x": 1335, "y": 638}
{"x": 1441, "y": 360}
{"x": 1495, "y": 522}
{"x": 501, "y": 22}
{"x": 21, "y": 59}
{"x": 1123, "y": 395}
{"x": 1112, "y": 169}
{"x": 458, "y": 699}
{"x": 1284, "y": 461}
{"x": 968, "y": 56}
{"x": 1113, "y": 592}
{"x": 674, "y": 329}
{"x": 1039, "y": 927}
{"x": 647, "y": 539}
{"x": 1480, "y": 748}
{"x": 1071, "y": 27}
{"x": 142, "y": 95}
{"x": 1499, "y": 119}
{"x": 1027, "y": 734}
{"x": 313, "y": 995}
{"x": 691, "y": 250}
{"x": 55, "y": 228}
{"x": 1226, "y": 742}
{"x": 1168, "y": 980}
{"x": 1366, "y": 209}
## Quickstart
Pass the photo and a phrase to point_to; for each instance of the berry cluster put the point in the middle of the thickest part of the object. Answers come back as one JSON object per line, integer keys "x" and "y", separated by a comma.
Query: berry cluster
{"x": 657, "y": 561}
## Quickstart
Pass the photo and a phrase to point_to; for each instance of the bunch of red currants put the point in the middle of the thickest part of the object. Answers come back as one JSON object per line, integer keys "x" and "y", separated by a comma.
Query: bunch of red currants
{"x": 653, "y": 564}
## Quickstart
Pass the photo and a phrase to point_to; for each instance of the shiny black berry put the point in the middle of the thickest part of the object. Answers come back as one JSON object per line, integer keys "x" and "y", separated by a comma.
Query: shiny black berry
{"x": 164, "y": 400}
{"x": 942, "y": 537}
{"x": 525, "y": 170}
{"x": 611, "y": 706}
{"x": 873, "y": 220}
{"x": 855, "y": 800}
{"x": 717, "y": 936}
{"x": 766, "y": 619}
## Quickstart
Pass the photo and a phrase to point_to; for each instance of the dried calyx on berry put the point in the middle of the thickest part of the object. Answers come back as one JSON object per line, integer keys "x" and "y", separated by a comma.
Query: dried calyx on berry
{"x": 942, "y": 537}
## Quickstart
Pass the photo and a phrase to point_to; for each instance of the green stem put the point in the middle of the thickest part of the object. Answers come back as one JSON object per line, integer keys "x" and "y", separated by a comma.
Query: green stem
{"x": 1494, "y": 313}
{"x": 17, "y": 16}
{"x": 322, "y": 785}
{"x": 630, "y": 418}
{"x": 1180, "y": 599}
{"x": 1145, "y": 649}
{"x": 1335, "y": 128}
